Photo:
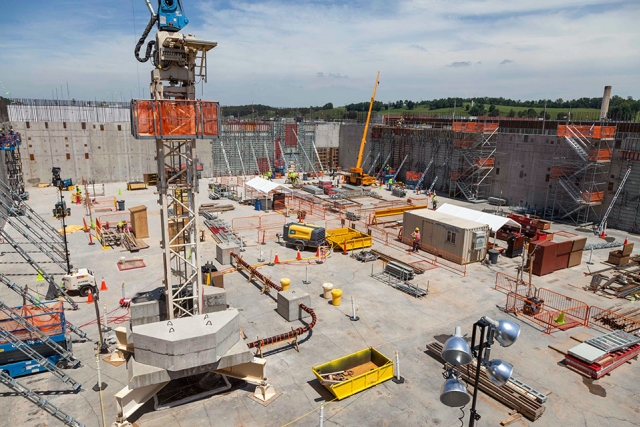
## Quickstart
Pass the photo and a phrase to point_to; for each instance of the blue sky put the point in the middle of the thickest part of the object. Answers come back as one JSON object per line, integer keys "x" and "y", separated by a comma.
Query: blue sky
{"x": 302, "y": 53}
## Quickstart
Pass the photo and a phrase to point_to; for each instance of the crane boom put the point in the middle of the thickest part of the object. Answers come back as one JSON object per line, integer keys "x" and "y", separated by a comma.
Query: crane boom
{"x": 366, "y": 125}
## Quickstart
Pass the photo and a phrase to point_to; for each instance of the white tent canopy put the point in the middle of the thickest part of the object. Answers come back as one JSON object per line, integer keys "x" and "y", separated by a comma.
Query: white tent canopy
{"x": 264, "y": 185}
{"x": 495, "y": 222}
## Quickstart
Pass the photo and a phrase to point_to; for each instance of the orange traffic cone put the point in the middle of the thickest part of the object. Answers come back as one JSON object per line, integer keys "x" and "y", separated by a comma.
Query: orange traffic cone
{"x": 318, "y": 252}
{"x": 299, "y": 256}
{"x": 103, "y": 286}
{"x": 90, "y": 298}
{"x": 90, "y": 239}
{"x": 276, "y": 260}
{"x": 602, "y": 235}
{"x": 626, "y": 241}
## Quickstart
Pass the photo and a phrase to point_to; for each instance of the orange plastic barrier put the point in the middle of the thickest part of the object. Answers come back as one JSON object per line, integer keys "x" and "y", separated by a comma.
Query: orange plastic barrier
{"x": 49, "y": 322}
{"x": 173, "y": 119}
{"x": 481, "y": 162}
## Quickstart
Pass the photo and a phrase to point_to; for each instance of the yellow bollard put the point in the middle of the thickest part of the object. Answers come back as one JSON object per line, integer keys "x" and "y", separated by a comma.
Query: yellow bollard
{"x": 336, "y": 296}
{"x": 285, "y": 283}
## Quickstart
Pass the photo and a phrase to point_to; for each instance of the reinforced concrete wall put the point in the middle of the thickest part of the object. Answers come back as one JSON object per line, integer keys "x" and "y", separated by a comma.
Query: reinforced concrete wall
{"x": 349, "y": 142}
{"x": 103, "y": 152}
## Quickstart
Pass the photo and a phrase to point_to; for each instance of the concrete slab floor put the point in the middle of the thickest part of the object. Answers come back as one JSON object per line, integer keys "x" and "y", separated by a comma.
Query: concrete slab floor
{"x": 390, "y": 321}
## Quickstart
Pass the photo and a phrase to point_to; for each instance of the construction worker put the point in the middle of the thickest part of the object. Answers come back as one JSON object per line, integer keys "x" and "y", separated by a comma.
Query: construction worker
{"x": 434, "y": 200}
{"x": 386, "y": 169}
{"x": 415, "y": 239}
{"x": 390, "y": 183}
{"x": 78, "y": 195}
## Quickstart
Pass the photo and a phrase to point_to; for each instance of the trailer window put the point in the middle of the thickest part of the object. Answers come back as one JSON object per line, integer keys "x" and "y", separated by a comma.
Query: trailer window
{"x": 451, "y": 237}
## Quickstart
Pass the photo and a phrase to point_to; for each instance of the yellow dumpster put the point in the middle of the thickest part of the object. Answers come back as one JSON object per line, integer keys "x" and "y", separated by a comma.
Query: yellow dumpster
{"x": 348, "y": 239}
{"x": 336, "y": 296}
{"x": 285, "y": 283}
{"x": 354, "y": 373}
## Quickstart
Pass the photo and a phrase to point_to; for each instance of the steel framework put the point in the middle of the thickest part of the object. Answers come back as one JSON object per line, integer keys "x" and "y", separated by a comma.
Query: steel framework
{"x": 579, "y": 180}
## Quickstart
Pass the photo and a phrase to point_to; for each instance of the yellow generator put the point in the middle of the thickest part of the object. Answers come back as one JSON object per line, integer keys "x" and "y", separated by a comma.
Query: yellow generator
{"x": 301, "y": 235}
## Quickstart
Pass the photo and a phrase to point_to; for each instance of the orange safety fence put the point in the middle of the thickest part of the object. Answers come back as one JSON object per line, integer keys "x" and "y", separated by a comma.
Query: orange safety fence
{"x": 245, "y": 222}
{"x": 474, "y": 127}
{"x": 49, "y": 322}
{"x": 507, "y": 283}
{"x": 578, "y": 310}
{"x": 272, "y": 220}
{"x": 595, "y": 197}
{"x": 600, "y": 155}
{"x": 167, "y": 118}
{"x": 586, "y": 131}
{"x": 269, "y": 234}
{"x": 611, "y": 320}
{"x": 483, "y": 162}
{"x": 522, "y": 306}
{"x": 558, "y": 171}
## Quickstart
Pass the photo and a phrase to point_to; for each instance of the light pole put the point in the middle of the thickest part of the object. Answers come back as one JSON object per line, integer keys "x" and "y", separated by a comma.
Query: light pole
{"x": 457, "y": 352}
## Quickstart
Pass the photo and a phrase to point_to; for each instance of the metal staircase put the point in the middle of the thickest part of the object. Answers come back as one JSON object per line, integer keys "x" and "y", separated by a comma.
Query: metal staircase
{"x": 39, "y": 401}
{"x": 424, "y": 174}
{"x": 33, "y": 301}
{"x": 571, "y": 189}
{"x": 16, "y": 317}
{"x": 38, "y": 358}
{"x": 579, "y": 148}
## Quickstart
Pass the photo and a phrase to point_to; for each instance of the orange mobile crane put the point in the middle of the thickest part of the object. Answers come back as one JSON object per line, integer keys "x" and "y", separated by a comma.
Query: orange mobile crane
{"x": 357, "y": 175}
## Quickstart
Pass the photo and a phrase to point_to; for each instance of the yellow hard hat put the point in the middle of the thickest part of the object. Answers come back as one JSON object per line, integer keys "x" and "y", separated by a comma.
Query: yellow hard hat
{"x": 417, "y": 229}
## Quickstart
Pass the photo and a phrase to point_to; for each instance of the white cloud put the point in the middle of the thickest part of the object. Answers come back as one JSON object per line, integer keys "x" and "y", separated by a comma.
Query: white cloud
{"x": 270, "y": 52}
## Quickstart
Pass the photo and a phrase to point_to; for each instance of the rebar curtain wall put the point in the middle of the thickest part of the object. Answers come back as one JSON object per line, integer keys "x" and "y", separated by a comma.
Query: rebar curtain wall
{"x": 421, "y": 144}
{"x": 249, "y": 148}
{"x": 51, "y": 110}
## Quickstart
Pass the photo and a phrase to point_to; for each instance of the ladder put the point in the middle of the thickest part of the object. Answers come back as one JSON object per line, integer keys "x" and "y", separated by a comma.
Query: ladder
{"x": 424, "y": 174}
{"x": 39, "y": 401}
{"x": 27, "y": 297}
{"x": 603, "y": 222}
{"x": 38, "y": 358}
{"x": 54, "y": 289}
{"x": 315, "y": 149}
{"x": 400, "y": 167}
{"x": 15, "y": 316}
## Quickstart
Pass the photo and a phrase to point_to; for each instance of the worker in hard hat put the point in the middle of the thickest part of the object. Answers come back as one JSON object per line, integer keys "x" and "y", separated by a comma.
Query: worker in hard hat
{"x": 434, "y": 200}
{"x": 415, "y": 239}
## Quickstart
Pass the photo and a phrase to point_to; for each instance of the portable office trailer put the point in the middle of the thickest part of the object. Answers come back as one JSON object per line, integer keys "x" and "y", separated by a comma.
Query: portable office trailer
{"x": 464, "y": 239}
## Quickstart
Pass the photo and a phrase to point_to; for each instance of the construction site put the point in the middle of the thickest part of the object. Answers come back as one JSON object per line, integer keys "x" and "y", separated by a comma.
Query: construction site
{"x": 164, "y": 264}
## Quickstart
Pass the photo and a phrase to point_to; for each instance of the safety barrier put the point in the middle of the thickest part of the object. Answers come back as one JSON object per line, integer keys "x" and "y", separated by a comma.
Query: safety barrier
{"x": 272, "y": 220}
{"x": 245, "y": 222}
{"x": 508, "y": 283}
{"x": 474, "y": 127}
{"x": 577, "y": 309}
{"x": 611, "y": 320}
{"x": 586, "y": 131}
{"x": 178, "y": 119}
{"x": 550, "y": 320}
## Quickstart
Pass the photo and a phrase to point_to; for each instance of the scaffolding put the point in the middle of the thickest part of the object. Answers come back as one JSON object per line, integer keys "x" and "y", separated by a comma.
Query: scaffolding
{"x": 579, "y": 180}
{"x": 254, "y": 148}
{"x": 473, "y": 160}
{"x": 10, "y": 145}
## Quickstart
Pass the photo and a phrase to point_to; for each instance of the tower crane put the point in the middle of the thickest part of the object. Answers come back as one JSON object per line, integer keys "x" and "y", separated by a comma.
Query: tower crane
{"x": 175, "y": 120}
{"x": 356, "y": 174}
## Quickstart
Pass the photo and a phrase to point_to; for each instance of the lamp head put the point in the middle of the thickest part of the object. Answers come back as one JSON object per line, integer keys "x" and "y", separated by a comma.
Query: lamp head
{"x": 456, "y": 350}
{"x": 506, "y": 331}
{"x": 499, "y": 371}
{"x": 453, "y": 393}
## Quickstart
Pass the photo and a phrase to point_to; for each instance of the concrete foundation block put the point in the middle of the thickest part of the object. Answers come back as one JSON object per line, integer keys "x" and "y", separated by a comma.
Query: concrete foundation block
{"x": 223, "y": 252}
{"x": 289, "y": 304}
{"x": 187, "y": 342}
{"x": 148, "y": 307}
{"x": 215, "y": 299}
{"x": 141, "y": 375}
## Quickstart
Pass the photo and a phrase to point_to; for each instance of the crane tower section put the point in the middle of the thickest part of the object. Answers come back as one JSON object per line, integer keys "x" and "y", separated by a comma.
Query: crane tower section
{"x": 176, "y": 120}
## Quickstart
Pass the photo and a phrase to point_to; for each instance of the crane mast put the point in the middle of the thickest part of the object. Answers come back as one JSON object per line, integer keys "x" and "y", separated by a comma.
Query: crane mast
{"x": 356, "y": 175}
{"x": 175, "y": 120}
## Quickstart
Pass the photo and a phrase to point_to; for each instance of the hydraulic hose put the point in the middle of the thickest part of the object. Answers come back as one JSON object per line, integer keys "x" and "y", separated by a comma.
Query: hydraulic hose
{"x": 151, "y": 43}
{"x": 270, "y": 283}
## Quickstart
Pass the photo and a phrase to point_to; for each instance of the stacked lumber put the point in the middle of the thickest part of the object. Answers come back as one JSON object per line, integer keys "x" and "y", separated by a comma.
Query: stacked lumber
{"x": 214, "y": 207}
{"x": 129, "y": 242}
{"x": 506, "y": 394}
